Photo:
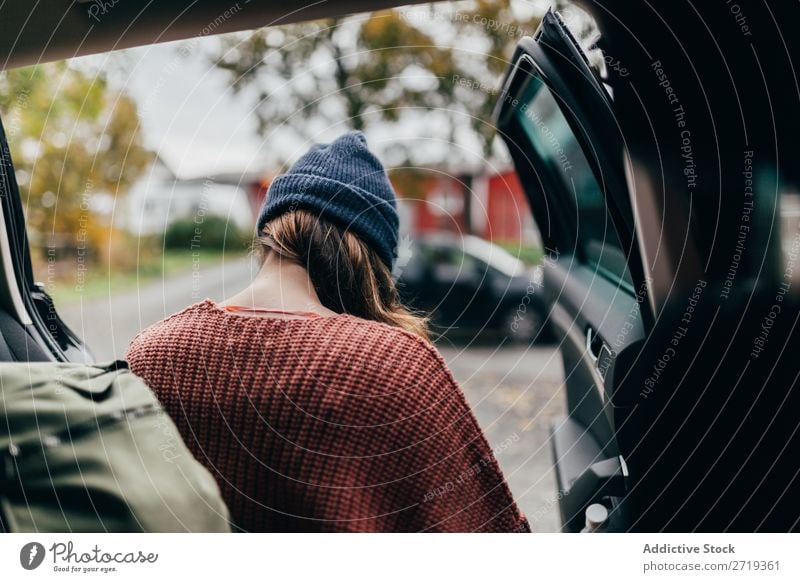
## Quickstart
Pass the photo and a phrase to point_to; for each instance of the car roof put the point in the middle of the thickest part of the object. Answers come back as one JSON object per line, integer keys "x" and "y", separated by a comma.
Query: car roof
{"x": 36, "y": 31}
{"x": 480, "y": 248}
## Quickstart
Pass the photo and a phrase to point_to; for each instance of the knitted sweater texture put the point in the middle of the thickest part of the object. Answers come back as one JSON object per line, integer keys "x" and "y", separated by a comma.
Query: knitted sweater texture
{"x": 325, "y": 424}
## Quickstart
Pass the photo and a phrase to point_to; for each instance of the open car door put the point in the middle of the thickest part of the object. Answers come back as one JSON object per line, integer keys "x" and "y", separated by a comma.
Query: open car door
{"x": 682, "y": 397}
{"x": 30, "y": 328}
{"x": 556, "y": 118}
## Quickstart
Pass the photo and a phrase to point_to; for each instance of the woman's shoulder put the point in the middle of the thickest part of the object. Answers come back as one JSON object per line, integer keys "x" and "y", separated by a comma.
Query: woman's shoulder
{"x": 371, "y": 339}
{"x": 183, "y": 326}
{"x": 372, "y": 354}
{"x": 380, "y": 359}
{"x": 175, "y": 317}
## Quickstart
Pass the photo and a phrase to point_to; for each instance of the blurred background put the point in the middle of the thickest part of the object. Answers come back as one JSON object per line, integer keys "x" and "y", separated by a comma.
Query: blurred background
{"x": 142, "y": 172}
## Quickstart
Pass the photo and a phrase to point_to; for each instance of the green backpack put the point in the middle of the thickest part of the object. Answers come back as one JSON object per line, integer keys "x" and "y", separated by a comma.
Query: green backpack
{"x": 89, "y": 449}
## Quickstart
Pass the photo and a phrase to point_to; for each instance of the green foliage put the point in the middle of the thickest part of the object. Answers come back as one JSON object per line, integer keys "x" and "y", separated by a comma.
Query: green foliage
{"x": 213, "y": 233}
{"x": 71, "y": 136}
{"x": 381, "y": 68}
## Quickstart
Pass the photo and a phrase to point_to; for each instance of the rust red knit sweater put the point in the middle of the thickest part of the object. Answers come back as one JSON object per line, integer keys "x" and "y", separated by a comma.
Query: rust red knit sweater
{"x": 326, "y": 424}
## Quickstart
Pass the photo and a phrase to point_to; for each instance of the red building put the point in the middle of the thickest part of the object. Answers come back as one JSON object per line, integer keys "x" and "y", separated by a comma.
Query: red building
{"x": 492, "y": 206}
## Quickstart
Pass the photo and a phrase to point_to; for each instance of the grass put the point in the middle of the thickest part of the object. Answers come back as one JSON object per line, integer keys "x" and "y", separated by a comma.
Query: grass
{"x": 102, "y": 281}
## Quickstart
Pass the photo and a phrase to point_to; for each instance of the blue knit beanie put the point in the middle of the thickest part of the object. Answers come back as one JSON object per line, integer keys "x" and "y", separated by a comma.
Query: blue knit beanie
{"x": 344, "y": 183}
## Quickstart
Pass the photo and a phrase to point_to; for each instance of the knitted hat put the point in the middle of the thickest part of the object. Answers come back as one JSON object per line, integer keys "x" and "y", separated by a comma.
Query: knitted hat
{"x": 344, "y": 183}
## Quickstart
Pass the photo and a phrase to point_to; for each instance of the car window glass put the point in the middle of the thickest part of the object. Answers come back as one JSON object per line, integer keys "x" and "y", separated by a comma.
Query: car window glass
{"x": 491, "y": 255}
{"x": 555, "y": 143}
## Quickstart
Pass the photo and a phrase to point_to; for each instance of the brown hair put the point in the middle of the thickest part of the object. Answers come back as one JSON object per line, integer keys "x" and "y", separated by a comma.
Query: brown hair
{"x": 347, "y": 275}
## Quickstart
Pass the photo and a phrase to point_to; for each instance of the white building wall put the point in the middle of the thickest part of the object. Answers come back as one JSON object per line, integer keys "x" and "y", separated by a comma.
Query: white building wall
{"x": 158, "y": 199}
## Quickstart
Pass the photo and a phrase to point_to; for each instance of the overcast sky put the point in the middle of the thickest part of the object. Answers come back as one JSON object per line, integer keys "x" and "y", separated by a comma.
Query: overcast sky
{"x": 187, "y": 110}
{"x": 190, "y": 116}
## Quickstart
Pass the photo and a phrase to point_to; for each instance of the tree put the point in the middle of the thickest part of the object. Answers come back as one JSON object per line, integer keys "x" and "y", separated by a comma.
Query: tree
{"x": 434, "y": 68}
{"x": 71, "y": 137}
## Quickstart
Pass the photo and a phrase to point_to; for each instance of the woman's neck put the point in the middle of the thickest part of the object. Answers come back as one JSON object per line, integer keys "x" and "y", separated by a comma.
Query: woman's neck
{"x": 280, "y": 284}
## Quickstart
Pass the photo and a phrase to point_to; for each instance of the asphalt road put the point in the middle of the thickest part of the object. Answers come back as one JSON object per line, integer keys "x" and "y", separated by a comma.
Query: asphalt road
{"x": 108, "y": 324}
{"x": 515, "y": 391}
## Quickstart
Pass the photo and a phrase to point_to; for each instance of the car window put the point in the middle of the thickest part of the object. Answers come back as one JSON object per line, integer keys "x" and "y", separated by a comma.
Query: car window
{"x": 493, "y": 256}
{"x": 555, "y": 143}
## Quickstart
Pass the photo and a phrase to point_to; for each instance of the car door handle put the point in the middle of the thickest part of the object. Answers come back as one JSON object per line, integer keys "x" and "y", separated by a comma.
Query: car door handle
{"x": 591, "y": 340}
{"x": 599, "y": 353}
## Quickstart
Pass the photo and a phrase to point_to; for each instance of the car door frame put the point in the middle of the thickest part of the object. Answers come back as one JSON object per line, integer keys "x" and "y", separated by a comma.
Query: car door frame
{"x": 27, "y": 302}
{"x": 585, "y": 453}
{"x": 560, "y": 64}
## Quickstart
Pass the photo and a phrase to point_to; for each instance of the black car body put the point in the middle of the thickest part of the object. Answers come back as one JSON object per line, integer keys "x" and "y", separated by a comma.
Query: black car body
{"x": 471, "y": 285}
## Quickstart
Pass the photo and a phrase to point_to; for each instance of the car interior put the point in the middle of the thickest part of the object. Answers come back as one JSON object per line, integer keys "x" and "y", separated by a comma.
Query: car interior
{"x": 679, "y": 418}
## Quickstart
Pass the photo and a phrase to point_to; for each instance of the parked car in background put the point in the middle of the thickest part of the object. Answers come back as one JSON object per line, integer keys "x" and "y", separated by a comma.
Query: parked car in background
{"x": 469, "y": 284}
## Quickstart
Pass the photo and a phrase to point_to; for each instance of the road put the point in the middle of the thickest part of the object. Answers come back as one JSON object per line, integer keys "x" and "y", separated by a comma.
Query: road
{"x": 108, "y": 324}
{"x": 514, "y": 391}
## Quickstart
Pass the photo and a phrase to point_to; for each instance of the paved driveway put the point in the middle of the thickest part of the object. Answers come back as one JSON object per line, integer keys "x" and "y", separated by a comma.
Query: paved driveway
{"x": 514, "y": 391}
